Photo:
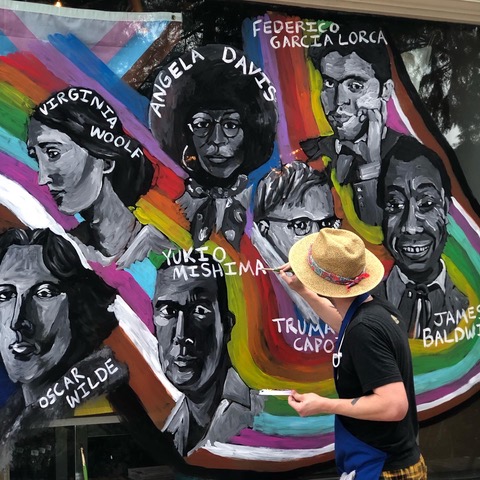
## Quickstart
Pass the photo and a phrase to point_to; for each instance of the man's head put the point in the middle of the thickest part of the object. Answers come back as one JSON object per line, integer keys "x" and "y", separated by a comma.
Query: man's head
{"x": 334, "y": 263}
{"x": 53, "y": 311}
{"x": 356, "y": 80}
{"x": 292, "y": 202}
{"x": 414, "y": 192}
{"x": 192, "y": 322}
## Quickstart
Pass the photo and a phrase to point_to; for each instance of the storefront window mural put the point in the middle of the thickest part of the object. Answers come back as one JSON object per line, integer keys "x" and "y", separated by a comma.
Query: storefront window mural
{"x": 140, "y": 236}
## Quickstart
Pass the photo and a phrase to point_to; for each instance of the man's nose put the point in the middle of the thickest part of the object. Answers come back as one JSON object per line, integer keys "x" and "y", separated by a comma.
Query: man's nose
{"x": 20, "y": 322}
{"x": 180, "y": 327}
{"x": 218, "y": 136}
{"x": 412, "y": 221}
{"x": 341, "y": 95}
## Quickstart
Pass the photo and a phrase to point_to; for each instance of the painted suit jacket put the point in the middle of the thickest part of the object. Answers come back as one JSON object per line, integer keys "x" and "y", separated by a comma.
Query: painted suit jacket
{"x": 446, "y": 300}
{"x": 235, "y": 411}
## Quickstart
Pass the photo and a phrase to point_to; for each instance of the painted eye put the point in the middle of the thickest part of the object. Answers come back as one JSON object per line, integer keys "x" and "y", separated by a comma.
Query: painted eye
{"x": 355, "y": 86}
{"x": 165, "y": 310}
{"x": 7, "y": 293}
{"x": 231, "y": 125}
{"x": 201, "y": 310}
{"x": 395, "y": 206}
{"x": 202, "y": 124}
{"x": 53, "y": 154}
{"x": 327, "y": 83}
{"x": 47, "y": 290}
{"x": 425, "y": 205}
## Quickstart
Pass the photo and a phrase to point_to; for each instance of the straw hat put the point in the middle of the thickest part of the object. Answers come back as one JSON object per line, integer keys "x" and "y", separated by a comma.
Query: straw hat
{"x": 335, "y": 263}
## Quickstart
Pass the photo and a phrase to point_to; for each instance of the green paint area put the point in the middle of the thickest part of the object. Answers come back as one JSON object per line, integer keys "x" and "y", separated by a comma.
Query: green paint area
{"x": 15, "y": 110}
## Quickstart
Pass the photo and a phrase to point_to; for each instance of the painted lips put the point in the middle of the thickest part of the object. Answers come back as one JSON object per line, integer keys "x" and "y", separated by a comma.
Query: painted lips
{"x": 23, "y": 349}
{"x": 57, "y": 195}
{"x": 415, "y": 251}
{"x": 218, "y": 160}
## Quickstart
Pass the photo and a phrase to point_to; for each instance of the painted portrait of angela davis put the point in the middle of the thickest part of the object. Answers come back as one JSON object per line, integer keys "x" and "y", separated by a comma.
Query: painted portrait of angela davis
{"x": 214, "y": 112}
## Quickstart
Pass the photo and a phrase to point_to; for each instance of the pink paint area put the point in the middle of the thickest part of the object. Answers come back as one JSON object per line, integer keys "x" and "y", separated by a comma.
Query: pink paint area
{"x": 27, "y": 178}
{"x": 129, "y": 289}
{"x": 445, "y": 391}
{"x": 251, "y": 438}
{"x": 394, "y": 121}
{"x": 465, "y": 226}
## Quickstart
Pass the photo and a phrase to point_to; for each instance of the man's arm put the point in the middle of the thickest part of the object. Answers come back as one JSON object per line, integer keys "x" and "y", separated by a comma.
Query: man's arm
{"x": 388, "y": 403}
{"x": 320, "y": 305}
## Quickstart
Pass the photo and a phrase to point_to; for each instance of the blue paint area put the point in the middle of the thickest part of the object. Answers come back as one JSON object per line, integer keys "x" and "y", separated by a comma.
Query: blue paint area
{"x": 72, "y": 48}
{"x": 16, "y": 148}
{"x": 6, "y": 46}
{"x": 255, "y": 176}
{"x": 7, "y": 387}
{"x": 251, "y": 44}
{"x": 293, "y": 426}
{"x": 145, "y": 274}
{"x": 136, "y": 47}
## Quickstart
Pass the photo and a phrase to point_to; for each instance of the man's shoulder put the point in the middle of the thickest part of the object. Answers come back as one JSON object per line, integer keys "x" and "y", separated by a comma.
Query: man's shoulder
{"x": 379, "y": 313}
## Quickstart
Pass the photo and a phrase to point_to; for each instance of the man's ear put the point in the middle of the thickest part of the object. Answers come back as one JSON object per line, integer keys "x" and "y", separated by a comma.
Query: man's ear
{"x": 228, "y": 324}
{"x": 387, "y": 90}
{"x": 446, "y": 202}
{"x": 263, "y": 226}
{"x": 108, "y": 166}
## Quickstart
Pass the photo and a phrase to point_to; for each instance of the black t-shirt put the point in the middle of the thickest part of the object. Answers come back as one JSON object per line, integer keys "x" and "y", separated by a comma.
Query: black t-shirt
{"x": 375, "y": 352}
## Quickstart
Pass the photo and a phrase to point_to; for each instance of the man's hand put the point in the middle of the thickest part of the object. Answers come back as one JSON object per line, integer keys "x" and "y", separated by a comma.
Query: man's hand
{"x": 320, "y": 305}
{"x": 308, "y": 403}
{"x": 287, "y": 275}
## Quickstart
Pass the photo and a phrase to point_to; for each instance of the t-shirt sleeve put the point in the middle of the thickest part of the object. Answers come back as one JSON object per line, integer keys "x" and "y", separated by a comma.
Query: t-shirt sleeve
{"x": 374, "y": 357}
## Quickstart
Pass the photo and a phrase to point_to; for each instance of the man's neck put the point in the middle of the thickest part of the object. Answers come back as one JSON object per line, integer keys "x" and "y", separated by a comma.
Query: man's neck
{"x": 343, "y": 304}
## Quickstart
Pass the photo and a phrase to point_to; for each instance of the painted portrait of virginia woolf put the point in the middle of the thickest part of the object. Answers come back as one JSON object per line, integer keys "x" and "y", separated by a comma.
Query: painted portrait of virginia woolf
{"x": 91, "y": 167}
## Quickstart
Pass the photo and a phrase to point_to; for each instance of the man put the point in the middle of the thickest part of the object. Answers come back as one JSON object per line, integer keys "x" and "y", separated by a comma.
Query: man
{"x": 414, "y": 193}
{"x": 356, "y": 87}
{"x": 193, "y": 325}
{"x": 290, "y": 203}
{"x": 376, "y": 421}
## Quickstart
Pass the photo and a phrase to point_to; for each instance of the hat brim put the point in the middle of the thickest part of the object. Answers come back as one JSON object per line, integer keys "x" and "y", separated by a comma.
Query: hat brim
{"x": 298, "y": 258}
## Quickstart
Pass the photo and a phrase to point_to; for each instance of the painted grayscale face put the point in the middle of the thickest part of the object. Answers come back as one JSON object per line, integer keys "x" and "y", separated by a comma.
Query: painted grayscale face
{"x": 349, "y": 89}
{"x": 415, "y": 216}
{"x": 219, "y": 141}
{"x": 34, "y": 325}
{"x": 289, "y": 223}
{"x": 189, "y": 329}
{"x": 72, "y": 175}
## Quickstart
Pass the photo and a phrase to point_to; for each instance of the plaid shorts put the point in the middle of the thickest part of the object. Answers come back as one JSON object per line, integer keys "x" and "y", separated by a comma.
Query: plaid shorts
{"x": 415, "y": 472}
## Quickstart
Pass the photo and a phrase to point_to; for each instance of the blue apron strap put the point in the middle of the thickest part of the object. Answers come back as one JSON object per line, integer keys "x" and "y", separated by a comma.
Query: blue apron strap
{"x": 345, "y": 322}
{"x": 348, "y": 316}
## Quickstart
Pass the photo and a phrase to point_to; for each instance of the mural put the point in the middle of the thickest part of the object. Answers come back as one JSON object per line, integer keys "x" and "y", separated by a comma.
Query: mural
{"x": 141, "y": 235}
